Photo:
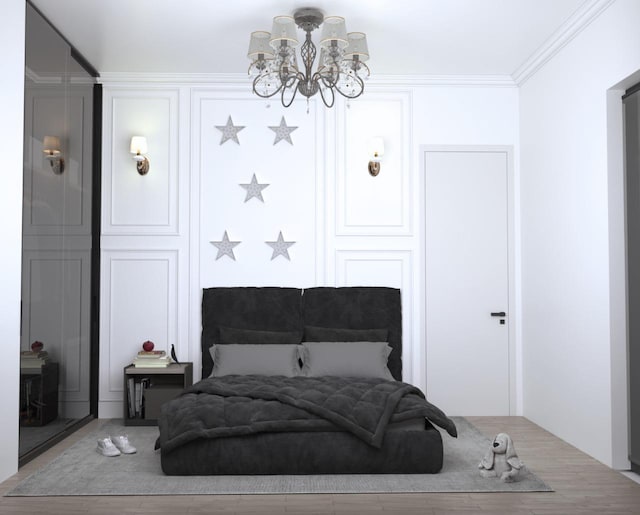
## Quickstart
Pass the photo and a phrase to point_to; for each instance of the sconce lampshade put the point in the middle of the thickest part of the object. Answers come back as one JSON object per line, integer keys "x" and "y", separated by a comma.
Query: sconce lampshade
{"x": 51, "y": 145}
{"x": 283, "y": 29}
{"x": 376, "y": 148}
{"x": 376, "y": 151}
{"x": 139, "y": 145}
{"x": 139, "y": 149}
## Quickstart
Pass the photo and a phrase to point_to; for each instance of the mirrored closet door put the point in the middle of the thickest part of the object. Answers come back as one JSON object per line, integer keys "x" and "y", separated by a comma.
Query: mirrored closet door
{"x": 56, "y": 341}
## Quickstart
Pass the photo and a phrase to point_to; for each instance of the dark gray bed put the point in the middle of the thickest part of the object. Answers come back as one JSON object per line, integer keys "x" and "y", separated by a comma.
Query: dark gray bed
{"x": 301, "y": 425}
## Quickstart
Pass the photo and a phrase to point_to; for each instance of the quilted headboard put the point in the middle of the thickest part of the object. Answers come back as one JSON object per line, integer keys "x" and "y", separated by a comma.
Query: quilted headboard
{"x": 270, "y": 309}
{"x": 290, "y": 309}
{"x": 358, "y": 307}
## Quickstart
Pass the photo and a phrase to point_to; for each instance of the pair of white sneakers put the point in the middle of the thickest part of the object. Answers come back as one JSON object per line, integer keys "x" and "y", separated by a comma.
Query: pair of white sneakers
{"x": 115, "y": 445}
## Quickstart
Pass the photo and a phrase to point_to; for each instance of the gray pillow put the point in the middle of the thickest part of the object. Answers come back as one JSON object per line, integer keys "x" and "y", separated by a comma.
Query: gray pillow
{"x": 352, "y": 359}
{"x": 331, "y": 334}
{"x": 251, "y": 336}
{"x": 262, "y": 359}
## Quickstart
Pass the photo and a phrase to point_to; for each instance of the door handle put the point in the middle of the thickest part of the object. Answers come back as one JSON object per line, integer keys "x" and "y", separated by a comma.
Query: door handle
{"x": 499, "y": 314}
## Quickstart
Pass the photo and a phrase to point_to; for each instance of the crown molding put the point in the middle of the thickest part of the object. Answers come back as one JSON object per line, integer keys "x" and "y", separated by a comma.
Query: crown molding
{"x": 42, "y": 79}
{"x": 230, "y": 79}
{"x": 242, "y": 81}
{"x": 578, "y": 21}
{"x": 442, "y": 80}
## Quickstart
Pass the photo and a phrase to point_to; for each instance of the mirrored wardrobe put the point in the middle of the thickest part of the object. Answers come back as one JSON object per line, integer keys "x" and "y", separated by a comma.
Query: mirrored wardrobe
{"x": 58, "y": 362}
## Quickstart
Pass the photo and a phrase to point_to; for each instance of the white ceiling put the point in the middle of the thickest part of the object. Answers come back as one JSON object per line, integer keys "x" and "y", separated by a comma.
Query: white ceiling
{"x": 421, "y": 37}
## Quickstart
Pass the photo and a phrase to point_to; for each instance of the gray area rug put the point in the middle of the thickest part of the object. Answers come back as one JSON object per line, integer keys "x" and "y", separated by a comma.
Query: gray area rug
{"x": 80, "y": 470}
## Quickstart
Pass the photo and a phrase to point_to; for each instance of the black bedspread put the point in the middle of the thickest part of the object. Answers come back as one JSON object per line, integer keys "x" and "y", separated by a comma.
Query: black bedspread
{"x": 240, "y": 405}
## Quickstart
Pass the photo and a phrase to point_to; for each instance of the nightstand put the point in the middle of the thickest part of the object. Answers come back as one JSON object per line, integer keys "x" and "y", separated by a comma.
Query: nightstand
{"x": 38, "y": 395}
{"x": 146, "y": 389}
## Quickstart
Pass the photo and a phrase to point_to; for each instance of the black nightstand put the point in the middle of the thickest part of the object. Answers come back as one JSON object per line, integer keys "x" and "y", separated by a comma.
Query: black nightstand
{"x": 146, "y": 389}
{"x": 38, "y": 395}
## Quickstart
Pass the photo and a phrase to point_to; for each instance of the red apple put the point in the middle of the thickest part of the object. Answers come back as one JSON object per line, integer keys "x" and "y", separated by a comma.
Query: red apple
{"x": 148, "y": 345}
{"x": 37, "y": 346}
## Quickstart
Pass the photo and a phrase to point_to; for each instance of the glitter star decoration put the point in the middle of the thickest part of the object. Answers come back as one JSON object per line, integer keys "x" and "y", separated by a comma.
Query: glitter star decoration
{"x": 225, "y": 247}
{"x": 280, "y": 247}
{"x": 283, "y": 132}
{"x": 254, "y": 189}
{"x": 229, "y": 131}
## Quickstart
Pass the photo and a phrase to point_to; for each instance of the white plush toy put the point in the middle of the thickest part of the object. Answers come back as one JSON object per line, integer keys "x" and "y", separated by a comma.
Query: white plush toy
{"x": 501, "y": 460}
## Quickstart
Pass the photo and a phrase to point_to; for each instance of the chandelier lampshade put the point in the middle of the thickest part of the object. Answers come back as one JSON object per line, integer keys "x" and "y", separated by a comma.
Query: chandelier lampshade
{"x": 340, "y": 65}
{"x": 357, "y": 47}
{"x": 283, "y": 30}
{"x": 334, "y": 32}
{"x": 259, "y": 45}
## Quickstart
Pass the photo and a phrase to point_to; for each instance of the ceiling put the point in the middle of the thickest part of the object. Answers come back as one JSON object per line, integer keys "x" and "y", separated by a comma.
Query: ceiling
{"x": 406, "y": 37}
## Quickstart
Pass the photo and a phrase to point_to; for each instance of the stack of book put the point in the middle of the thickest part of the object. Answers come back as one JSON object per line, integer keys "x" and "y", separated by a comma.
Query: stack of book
{"x": 33, "y": 359}
{"x": 152, "y": 359}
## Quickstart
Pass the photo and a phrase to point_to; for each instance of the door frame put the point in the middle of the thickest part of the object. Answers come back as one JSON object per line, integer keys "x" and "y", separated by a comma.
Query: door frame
{"x": 513, "y": 308}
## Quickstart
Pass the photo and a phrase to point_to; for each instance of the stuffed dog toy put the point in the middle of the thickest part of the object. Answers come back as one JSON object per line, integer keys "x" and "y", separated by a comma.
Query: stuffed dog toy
{"x": 501, "y": 460}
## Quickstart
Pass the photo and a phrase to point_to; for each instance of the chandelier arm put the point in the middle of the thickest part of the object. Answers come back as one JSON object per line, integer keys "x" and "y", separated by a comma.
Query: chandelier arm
{"x": 360, "y": 88}
{"x": 293, "y": 97}
{"x": 257, "y": 80}
{"x": 368, "y": 70}
{"x": 324, "y": 100}
{"x": 329, "y": 82}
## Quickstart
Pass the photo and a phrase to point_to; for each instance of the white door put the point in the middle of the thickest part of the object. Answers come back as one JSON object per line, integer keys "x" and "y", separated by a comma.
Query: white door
{"x": 467, "y": 272}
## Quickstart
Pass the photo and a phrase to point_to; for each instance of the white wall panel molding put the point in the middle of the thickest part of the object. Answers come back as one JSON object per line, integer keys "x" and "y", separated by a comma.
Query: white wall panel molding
{"x": 56, "y": 290}
{"x": 394, "y": 269}
{"x": 382, "y": 205}
{"x": 140, "y": 300}
{"x": 134, "y": 204}
{"x": 46, "y": 110}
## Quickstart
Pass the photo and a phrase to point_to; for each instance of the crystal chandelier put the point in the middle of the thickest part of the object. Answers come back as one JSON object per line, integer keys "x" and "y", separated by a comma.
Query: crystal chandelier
{"x": 341, "y": 66}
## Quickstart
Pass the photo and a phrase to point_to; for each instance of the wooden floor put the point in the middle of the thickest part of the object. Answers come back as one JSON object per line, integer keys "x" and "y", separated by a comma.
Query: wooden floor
{"x": 582, "y": 485}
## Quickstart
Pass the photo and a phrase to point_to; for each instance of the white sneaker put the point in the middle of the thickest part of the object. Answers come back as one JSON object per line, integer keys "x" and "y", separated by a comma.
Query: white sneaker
{"x": 106, "y": 447}
{"x": 123, "y": 445}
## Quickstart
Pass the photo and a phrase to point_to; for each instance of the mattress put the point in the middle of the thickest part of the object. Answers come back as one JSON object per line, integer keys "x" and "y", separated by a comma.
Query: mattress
{"x": 409, "y": 447}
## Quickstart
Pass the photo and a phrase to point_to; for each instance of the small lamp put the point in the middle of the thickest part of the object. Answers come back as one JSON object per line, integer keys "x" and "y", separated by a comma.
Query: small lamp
{"x": 51, "y": 149}
{"x": 139, "y": 149}
{"x": 376, "y": 150}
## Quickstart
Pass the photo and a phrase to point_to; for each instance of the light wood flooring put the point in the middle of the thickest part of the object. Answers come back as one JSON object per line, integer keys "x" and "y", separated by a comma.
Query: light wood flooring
{"x": 582, "y": 485}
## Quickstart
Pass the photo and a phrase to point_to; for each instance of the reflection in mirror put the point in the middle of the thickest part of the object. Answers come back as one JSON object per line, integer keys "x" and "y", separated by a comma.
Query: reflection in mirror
{"x": 55, "y": 379}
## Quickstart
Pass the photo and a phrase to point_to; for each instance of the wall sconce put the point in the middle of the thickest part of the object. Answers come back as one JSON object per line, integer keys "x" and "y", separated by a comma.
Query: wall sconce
{"x": 376, "y": 150}
{"x": 138, "y": 149}
{"x": 51, "y": 149}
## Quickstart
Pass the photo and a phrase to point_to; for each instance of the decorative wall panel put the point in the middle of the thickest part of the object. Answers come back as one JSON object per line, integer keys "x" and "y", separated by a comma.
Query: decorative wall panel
{"x": 134, "y": 203}
{"x": 55, "y": 202}
{"x": 394, "y": 269}
{"x": 56, "y": 292}
{"x": 380, "y": 205}
{"x": 140, "y": 302}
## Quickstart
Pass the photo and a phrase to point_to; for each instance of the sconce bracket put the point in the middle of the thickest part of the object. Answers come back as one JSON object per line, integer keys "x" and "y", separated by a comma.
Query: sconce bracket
{"x": 57, "y": 165}
{"x": 143, "y": 166}
{"x": 374, "y": 168}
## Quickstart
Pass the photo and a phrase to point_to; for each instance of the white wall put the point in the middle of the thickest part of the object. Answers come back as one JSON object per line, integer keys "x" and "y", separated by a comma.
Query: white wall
{"x": 349, "y": 227}
{"x": 11, "y": 106}
{"x": 569, "y": 383}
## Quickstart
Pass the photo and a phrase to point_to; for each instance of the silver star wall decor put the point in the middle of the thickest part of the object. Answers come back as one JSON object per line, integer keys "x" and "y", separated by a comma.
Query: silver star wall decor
{"x": 254, "y": 189}
{"x": 225, "y": 247}
{"x": 280, "y": 247}
{"x": 229, "y": 131}
{"x": 283, "y": 132}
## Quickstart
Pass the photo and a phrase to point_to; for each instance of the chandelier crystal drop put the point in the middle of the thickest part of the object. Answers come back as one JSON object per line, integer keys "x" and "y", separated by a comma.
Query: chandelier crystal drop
{"x": 341, "y": 63}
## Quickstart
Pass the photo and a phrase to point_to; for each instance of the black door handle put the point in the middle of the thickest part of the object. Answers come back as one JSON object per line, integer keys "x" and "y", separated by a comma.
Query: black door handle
{"x": 499, "y": 314}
